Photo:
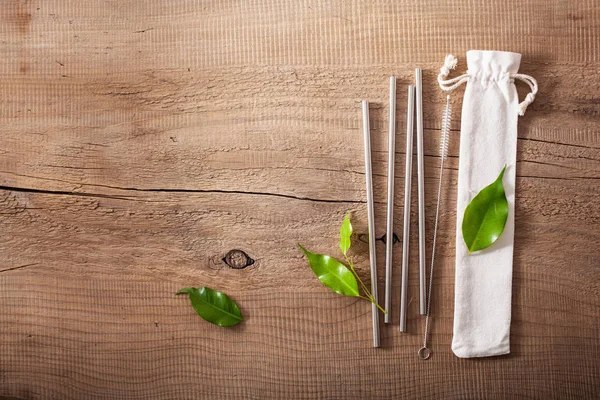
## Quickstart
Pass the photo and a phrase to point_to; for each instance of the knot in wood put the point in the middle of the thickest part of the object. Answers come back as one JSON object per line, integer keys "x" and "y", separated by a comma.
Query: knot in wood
{"x": 237, "y": 259}
{"x": 395, "y": 238}
{"x": 363, "y": 237}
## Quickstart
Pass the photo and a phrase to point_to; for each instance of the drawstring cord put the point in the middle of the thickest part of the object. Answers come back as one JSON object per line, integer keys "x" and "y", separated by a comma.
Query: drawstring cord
{"x": 449, "y": 85}
{"x": 530, "y": 96}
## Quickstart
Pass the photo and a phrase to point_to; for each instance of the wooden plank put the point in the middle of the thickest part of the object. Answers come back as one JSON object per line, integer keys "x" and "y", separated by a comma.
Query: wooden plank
{"x": 96, "y": 302}
{"x": 143, "y": 140}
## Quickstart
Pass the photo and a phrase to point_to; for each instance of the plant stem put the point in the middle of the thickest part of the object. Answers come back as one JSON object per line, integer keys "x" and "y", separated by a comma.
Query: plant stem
{"x": 378, "y": 306}
{"x": 358, "y": 277}
{"x": 371, "y": 300}
{"x": 364, "y": 287}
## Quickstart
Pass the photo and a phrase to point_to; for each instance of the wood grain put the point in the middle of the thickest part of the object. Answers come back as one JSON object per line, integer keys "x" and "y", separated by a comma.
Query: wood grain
{"x": 144, "y": 140}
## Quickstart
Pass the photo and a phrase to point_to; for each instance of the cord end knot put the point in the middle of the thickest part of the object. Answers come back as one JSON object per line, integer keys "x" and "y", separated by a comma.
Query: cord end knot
{"x": 449, "y": 85}
{"x": 449, "y": 64}
{"x": 525, "y": 103}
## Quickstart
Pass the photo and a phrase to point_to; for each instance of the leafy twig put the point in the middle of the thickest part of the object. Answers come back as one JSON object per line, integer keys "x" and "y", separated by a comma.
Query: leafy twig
{"x": 334, "y": 274}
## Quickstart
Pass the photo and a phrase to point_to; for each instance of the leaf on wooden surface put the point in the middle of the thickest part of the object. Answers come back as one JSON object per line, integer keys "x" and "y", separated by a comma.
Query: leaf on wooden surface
{"x": 214, "y": 306}
{"x": 485, "y": 216}
{"x": 332, "y": 273}
{"x": 345, "y": 233}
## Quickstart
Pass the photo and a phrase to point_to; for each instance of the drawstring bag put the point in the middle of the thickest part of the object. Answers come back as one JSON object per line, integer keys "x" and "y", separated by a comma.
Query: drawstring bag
{"x": 488, "y": 142}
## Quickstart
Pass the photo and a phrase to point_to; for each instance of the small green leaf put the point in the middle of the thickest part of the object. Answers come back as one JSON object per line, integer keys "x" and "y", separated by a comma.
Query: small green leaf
{"x": 345, "y": 233}
{"x": 332, "y": 273}
{"x": 213, "y": 306}
{"x": 485, "y": 216}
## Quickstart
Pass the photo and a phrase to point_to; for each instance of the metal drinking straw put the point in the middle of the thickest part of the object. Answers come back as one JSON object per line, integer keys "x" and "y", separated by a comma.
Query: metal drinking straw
{"x": 371, "y": 219}
{"x": 421, "y": 190}
{"x": 390, "y": 200}
{"x": 407, "y": 184}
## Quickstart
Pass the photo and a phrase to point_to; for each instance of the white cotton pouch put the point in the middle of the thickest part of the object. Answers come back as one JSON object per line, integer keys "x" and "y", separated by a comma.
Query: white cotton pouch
{"x": 488, "y": 142}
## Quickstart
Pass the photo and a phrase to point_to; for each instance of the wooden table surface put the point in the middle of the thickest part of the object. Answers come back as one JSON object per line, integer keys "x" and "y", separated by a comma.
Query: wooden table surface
{"x": 142, "y": 140}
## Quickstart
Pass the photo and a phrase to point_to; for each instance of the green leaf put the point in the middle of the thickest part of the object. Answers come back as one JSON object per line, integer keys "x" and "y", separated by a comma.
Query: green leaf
{"x": 332, "y": 273}
{"x": 485, "y": 216}
{"x": 213, "y": 306}
{"x": 345, "y": 233}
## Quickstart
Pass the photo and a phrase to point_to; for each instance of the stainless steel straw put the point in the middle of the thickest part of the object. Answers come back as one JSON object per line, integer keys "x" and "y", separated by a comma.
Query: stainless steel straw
{"x": 390, "y": 200}
{"x": 371, "y": 219}
{"x": 421, "y": 189}
{"x": 407, "y": 184}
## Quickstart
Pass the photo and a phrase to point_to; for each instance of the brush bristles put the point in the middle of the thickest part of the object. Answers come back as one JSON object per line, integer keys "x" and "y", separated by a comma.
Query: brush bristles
{"x": 445, "y": 135}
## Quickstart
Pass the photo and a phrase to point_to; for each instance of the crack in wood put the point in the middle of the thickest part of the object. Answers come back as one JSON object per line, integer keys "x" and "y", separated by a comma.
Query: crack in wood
{"x": 143, "y": 30}
{"x": 558, "y": 143}
{"x": 17, "y": 267}
{"x": 154, "y": 190}
{"x": 546, "y": 163}
{"x": 65, "y": 193}
{"x": 224, "y": 191}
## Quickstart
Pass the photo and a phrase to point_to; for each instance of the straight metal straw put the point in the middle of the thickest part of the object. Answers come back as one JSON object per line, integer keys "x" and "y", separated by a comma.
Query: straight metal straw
{"x": 407, "y": 184}
{"x": 371, "y": 219}
{"x": 390, "y": 200}
{"x": 421, "y": 190}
